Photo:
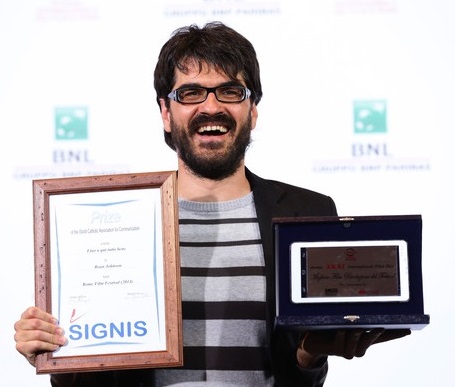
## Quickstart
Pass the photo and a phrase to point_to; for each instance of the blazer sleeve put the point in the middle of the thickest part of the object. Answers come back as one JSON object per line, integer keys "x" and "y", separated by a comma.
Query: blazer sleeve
{"x": 277, "y": 199}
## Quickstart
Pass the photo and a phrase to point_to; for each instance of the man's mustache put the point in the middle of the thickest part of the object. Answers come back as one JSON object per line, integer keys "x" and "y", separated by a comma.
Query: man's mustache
{"x": 217, "y": 119}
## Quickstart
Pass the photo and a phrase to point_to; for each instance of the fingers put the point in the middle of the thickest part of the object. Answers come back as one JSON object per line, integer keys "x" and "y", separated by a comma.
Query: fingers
{"x": 348, "y": 343}
{"x": 34, "y": 312}
{"x": 392, "y": 334}
{"x": 37, "y": 332}
{"x": 343, "y": 342}
{"x": 351, "y": 340}
{"x": 357, "y": 344}
{"x": 366, "y": 340}
{"x": 321, "y": 342}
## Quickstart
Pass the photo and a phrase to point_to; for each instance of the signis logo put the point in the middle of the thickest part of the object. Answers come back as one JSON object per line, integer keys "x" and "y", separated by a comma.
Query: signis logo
{"x": 71, "y": 123}
{"x": 370, "y": 116}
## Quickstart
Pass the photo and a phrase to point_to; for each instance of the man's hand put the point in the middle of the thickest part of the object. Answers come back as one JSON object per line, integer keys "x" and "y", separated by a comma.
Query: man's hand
{"x": 348, "y": 343}
{"x": 37, "y": 332}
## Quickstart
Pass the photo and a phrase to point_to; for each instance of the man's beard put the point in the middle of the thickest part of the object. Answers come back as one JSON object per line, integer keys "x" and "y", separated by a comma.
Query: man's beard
{"x": 209, "y": 166}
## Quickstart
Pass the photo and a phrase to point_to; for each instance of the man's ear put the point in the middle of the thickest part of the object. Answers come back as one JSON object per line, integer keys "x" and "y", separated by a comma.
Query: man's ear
{"x": 254, "y": 116}
{"x": 165, "y": 115}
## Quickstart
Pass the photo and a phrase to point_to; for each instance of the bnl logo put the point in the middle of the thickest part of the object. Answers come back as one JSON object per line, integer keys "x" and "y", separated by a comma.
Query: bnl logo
{"x": 370, "y": 117}
{"x": 71, "y": 123}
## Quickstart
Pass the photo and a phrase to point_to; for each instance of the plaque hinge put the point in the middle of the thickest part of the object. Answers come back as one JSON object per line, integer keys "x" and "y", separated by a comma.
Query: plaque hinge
{"x": 351, "y": 318}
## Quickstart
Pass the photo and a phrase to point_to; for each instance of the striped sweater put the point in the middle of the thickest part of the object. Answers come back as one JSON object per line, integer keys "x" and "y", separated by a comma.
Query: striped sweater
{"x": 223, "y": 294}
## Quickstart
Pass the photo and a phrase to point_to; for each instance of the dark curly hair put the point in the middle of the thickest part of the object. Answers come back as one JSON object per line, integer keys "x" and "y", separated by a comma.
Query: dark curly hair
{"x": 214, "y": 44}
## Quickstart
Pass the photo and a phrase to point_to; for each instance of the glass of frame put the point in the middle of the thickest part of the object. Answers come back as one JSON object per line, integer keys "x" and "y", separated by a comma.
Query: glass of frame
{"x": 107, "y": 267}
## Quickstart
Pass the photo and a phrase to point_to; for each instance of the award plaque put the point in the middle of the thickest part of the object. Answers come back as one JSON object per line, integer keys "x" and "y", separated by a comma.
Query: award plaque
{"x": 107, "y": 268}
{"x": 362, "y": 272}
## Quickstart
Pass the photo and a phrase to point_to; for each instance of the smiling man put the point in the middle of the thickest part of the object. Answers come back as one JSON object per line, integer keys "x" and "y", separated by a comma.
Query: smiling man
{"x": 208, "y": 88}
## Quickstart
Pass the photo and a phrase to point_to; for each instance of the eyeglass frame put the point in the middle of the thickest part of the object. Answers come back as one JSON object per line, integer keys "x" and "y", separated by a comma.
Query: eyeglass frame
{"x": 174, "y": 94}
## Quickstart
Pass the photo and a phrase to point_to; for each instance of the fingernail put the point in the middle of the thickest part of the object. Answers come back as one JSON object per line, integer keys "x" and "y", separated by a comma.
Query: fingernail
{"x": 62, "y": 340}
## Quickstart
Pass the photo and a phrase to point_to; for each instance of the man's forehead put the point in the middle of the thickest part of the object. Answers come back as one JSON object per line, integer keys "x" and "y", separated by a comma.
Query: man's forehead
{"x": 193, "y": 68}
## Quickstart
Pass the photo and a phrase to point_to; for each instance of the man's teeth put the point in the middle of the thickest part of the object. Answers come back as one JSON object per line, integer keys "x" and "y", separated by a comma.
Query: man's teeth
{"x": 216, "y": 128}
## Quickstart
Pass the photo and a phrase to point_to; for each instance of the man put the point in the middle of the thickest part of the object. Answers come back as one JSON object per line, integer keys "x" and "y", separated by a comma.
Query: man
{"x": 208, "y": 88}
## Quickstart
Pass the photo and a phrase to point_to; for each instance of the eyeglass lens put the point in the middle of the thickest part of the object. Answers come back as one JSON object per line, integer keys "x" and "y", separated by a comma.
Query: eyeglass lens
{"x": 199, "y": 94}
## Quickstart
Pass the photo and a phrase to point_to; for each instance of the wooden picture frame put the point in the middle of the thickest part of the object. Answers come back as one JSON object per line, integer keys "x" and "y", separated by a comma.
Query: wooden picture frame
{"x": 107, "y": 266}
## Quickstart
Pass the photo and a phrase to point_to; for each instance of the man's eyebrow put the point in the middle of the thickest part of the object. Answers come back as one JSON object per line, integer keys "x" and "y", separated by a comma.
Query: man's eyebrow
{"x": 195, "y": 84}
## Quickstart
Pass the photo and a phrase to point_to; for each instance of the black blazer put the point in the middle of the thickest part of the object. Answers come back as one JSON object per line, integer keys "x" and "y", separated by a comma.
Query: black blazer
{"x": 277, "y": 199}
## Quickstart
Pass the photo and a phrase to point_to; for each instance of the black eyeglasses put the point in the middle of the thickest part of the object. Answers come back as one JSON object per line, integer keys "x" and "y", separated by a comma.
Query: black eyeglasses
{"x": 198, "y": 94}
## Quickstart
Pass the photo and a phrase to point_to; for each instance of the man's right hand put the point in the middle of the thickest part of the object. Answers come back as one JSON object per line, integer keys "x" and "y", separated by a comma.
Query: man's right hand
{"x": 348, "y": 343}
{"x": 37, "y": 332}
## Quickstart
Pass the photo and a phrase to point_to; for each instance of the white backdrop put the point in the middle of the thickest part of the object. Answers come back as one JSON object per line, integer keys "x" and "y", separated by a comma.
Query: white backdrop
{"x": 321, "y": 61}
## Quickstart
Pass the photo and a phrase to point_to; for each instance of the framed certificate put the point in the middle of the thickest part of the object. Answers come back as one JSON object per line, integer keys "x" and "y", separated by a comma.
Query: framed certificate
{"x": 107, "y": 267}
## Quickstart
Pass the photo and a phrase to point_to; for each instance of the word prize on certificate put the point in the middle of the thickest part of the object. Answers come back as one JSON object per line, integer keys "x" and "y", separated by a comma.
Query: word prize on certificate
{"x": 107, "y": 267}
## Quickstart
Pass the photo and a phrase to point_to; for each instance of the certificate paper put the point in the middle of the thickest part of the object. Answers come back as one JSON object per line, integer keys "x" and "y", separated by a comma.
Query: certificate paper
{"x": 107, "y": 271}
{"x": 107, "y": 267}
